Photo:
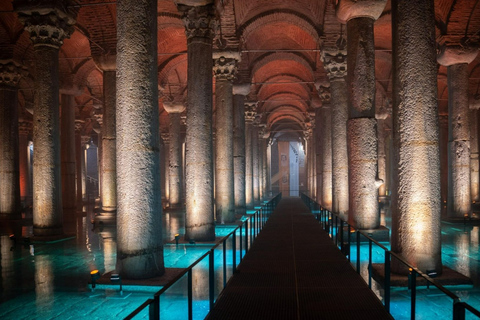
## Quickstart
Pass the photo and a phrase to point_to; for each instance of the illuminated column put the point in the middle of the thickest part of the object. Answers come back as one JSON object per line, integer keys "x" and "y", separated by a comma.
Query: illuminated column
{"x": 361, "y": 126}
{"x": 47, "y": 30}
{"x": 67, "y": 156}
{"x": 250, "y": 113}
{"x": 382, "y": 132}
{"x": 317, "y": 137}
{"x": 474, "y": 163}
{"x": 263, "y": 152}
{"x": 269, "y": 167}
{"x": 24, "y": 129}
{"x": 199, "y": 28}
{"x": 416, "y": 193}
{"x": 224, "y": 70}
{"x": 255, "y": 162}
{"x": 78, "y": 163}
{"x": 239, "y": 93}
{"x": 84, "y": 141}
{"x": 166, "y": 148}
{"x": 261, "y": 130}
{"x": 308, "y": 134}
{"x": 175, "y": 166}
{"x": 139, "y": 207}
{"x": 456, "y": 59}
{"x": 108, "y": 168}
{"x": 335, "y": 63}
{"x": 10, "y": 74}
{"x": 326, "y": 135}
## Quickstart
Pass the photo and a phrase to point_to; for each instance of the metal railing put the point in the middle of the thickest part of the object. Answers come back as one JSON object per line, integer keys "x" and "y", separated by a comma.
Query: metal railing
{"x": 248, "y": 230}
{"x": 334, "y": 225}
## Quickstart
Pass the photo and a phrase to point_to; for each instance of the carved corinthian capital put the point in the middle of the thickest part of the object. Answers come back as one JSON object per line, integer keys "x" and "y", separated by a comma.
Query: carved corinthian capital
{"x": 250, "y": 111}
{"x": 11, "y": 72}
{"x": 225, "y": 65}
{"x": 335, "y": 62}
{"x": 199, "y": 21}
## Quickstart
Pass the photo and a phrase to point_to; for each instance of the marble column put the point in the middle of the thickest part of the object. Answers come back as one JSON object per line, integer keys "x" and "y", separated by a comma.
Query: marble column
{"x": 335, "y": 63}
{"x": 416, "y": 194}
{"x": 361, "y": 126}
{"x": 456, "y": 59}
{"x": 47, "y": 30}
{"x": 108, "y": 168}
{"x": 199, "y": 28}
{"x": 67, "y": 154}
{"x": 255, "y": 162}
{"x": 139, "y": 207}
{"x": 10, "y": 205}
{"x": 474, "y": 161}
{"x": 175, "y": 161}
{"x": 239, "y": 93}
{"x": 326, "y": 134}
{"x": 24, "y": 130}
{"x": 78, "y": 164}
{"x": 250, "y": 113}
{"x": 166, "y": 148}
{"x": 224, "y": 70}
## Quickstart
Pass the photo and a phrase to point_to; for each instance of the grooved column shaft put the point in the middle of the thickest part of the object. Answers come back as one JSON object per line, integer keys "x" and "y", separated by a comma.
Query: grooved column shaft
{"x": 416, "y": 193}
{"x": 139, "y": 208}
{"x": 239, "y": 152}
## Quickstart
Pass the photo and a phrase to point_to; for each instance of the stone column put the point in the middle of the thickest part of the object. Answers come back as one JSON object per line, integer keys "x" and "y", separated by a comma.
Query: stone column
{"x": 78, "y": 164}
{"x": 255, "y": 162}
{"x": 24, "y": 130}
{"x": 67, "y": 155}
{"x": 474, "y": 162}
{"x": 175, "y": 166}
{"x": 10, "y": 205}
{"x": 416, "y": 193}
{"x": 108, "y": 168}
{"x": 326, "y": 134}
{"x": 250, "y": 113}
{"x": 335, "y": 63}
{"x": 263, "y": 150}
{"x": 47, "y": 30}
{"x": 361, "y": 126}
{"x": 84, "y": 141}
{"x": 269, "y": 168}
{"x": 224, "y": 70}
{"x": 308, "y": 134}
{"x": 239, "y": 93}
{"x": 456, "y": 59}
{"x": 261, "y": 130}
{"x": 139, "y": 207}
{"x": 199, "y": 27}
{"x": 166, "y": 147}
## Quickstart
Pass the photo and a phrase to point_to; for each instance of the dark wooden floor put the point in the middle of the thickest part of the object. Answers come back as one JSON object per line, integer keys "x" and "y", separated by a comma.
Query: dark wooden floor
{"x": 294, "y": 271}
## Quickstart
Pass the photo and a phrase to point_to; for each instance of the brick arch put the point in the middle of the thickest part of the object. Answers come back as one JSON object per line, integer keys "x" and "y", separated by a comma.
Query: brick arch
{"x": 285, "y": 112}
{"x": 297, "y": 63}
{"x": 300, "y": 106}
{"x": 307, "y": 88}
{"x": 275, "y": 88}
{"x": 100, "y": 23}
{"x": 169, "y": 66}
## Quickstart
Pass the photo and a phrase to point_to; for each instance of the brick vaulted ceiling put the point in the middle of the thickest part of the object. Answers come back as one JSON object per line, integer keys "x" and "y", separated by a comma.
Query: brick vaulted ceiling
{"x": 280, "y": 43}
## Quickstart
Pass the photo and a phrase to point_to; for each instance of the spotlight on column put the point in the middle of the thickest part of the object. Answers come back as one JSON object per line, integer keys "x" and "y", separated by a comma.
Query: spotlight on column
{"x": 115, "y": 279}
{"x": 94, "y": 276}
{"x": 176, "y": 239}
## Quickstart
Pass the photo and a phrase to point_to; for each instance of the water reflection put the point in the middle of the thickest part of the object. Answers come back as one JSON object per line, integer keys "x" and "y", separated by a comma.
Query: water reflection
{"x": 44, "y": 280}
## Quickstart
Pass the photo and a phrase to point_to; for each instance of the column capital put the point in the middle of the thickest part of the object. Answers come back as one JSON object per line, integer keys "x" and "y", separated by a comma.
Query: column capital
{"x": 79, "y": 125}
{"x": 48, "y": 22}
{"x": 250, "y": 111}
{"x": 11, "y": 72}
{"x": 335, "y": 63}
{"x": 165, "y": 137}
{"x": 199, "y": 20}
{"x": 84, "y": 140}
{"x": 24, "y": 126}
{"x": 456, "y": 54}
{"x": 106, "y": 62}
{"x": 173, "y": 107}
{"x": 323, "y": 88}
{"x": 225, "y": 65}
{"x": 242, "y": 89}
{"x": 351, "y": 9}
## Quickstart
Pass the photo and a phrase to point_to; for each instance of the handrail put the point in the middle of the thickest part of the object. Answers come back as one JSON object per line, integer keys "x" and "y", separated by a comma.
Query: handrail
{"x": 457, "y": 315}
{"x": 255, "y": 225}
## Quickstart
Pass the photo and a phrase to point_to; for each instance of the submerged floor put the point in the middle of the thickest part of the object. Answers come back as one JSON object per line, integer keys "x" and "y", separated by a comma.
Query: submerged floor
{"x": 50, "y": 280}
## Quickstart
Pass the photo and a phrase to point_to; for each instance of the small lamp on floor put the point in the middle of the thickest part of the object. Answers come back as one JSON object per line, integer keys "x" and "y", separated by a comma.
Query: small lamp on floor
{"x": 94, "y": 275}
{"x": 115, "y": 278}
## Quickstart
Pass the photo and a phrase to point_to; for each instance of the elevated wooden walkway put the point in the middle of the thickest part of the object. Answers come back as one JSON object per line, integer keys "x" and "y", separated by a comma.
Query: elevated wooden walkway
{"x": 294, "y": 271}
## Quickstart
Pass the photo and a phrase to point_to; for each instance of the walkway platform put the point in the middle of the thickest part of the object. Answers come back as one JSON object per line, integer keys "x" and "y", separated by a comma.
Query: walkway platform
{"x": 294, "y": 271}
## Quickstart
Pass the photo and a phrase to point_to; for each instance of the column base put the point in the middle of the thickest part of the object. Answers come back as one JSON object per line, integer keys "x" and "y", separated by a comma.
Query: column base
{"x": 10, "y": 216}
{"x": 200, "y": 233}
{"x": 53, "y": 233}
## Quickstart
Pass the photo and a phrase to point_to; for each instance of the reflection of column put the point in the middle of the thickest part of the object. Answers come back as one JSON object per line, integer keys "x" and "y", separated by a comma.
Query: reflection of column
{"x": 24, "y": 129}
{"x": 456, "y": 59}
{"x": 326, "y": 134}
{"x": 166, "y": 148}
{"x": 44, "y": 280}
{"x": 474, "y": 163}
{"x": 199, "y": 27}
{"x": 139, "y": 207}
{"x": 224, "y": 70}
{"x": 250, "y": 112}
{"x": 361, "y": 126}
{"x": 175, "y": 172}
{"x": 7, "y": 266}
{"x": 78, "y": 163}
{"x": 67, "y": 142}
{"x": 239, "y": 93}
{"x": 255, "y": 162}
{"x": 335, "y": 62}
{"x": 416, "y": 193}
{"x": 10, "y": 74}
{"x": 47, "y": 31}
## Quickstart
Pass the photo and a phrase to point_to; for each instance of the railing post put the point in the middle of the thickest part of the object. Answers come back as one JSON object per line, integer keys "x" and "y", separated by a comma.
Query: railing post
{"x": 234, "y": 253}
{"x": 458, "y": 310}
{"x": 224, "y": 262}
{"x": 370, "y": 263}
{"x": 358, "y": 252}
{"x": 154, "y": 308}
{"x": 413, "y": 292}
{"x": 349, "y": 236}
{"x": 336, "y": 231}
{"x": 341, "y": 236}
{"x": 190, "y": 295}
{"x": 387, "y": 281}
{"x": 211, "y": 279}
{"x": 246, "y": 236}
